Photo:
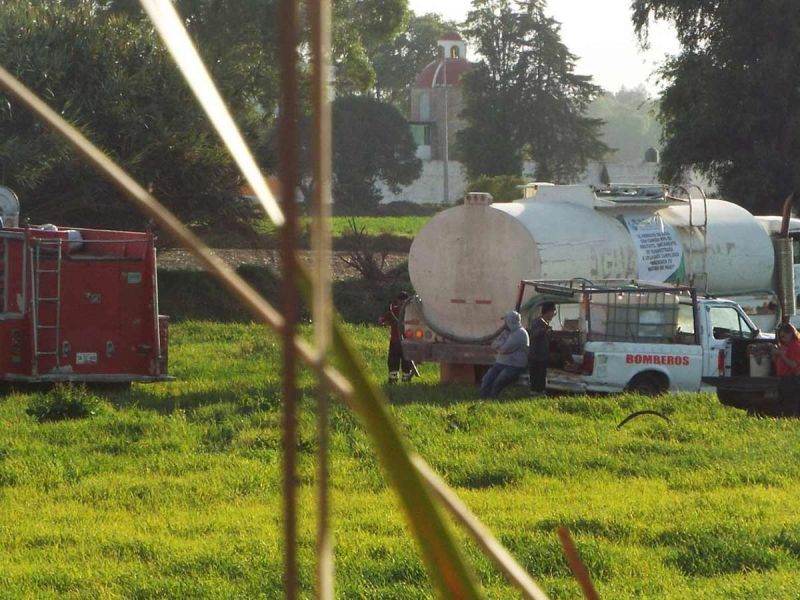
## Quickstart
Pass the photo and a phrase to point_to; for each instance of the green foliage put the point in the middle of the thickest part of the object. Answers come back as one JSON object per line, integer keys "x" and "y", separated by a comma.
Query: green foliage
{"x": 175, "y": 491}
{"x": 101, "y": 66}
{"x": 405, "y": 208}
{"x": 523, "y": 99}
{"x": 359, "y": 26}
{"x": 630, "y": 124}
{"x": 503, "y": 188}
{"x": 400, "y": 226}
{"x": 398, "y": 62}
{"x": 731, "y": 102}
{"x": 392, "y": 232}
{"x": 371, "y": 143}
{"x": 192, "y": 295}
{"x": 195, "y": 295}
{"x": 107, "y": 74}
{"x": 64, "y": 401}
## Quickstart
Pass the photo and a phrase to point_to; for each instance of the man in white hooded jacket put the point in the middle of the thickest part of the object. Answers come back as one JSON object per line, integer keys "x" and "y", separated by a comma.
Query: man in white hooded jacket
{"x": 512, "y": 357}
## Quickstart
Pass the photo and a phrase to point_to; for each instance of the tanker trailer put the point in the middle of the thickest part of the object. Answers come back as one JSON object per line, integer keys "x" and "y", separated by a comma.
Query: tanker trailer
{"x": 467, "y": 261}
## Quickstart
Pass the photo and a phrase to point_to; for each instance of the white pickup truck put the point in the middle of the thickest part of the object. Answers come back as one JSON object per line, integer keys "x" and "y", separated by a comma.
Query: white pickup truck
{"x": 649, "y": 338}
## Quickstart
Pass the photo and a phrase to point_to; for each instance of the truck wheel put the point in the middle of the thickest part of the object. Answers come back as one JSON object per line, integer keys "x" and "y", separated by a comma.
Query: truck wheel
{"x": 648, "y": 384}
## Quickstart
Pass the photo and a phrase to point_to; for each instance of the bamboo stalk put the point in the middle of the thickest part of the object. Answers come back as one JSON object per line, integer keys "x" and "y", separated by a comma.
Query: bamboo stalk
{"x": 320, "y": 18}
{"x": 575, "y": 563}
{"x": 287, "y": 135}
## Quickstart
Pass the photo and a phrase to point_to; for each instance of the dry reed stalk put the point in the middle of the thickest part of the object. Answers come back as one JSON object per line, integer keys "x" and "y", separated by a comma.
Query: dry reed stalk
{"x": 319, "y": 13}
{"x": 290, "y": 298}
{"x": 577, "y": 566}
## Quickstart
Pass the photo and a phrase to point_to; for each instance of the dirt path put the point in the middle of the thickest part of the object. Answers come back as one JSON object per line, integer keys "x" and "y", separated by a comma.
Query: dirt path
{"x": 176, "y": 260}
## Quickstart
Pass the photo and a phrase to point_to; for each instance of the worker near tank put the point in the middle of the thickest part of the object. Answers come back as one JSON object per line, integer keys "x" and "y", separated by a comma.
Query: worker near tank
{"x": 512, "y": 357}
{"x": 539, "y": 355}
{"x": 395, "y": 359}
{"x": 787, "y": 366}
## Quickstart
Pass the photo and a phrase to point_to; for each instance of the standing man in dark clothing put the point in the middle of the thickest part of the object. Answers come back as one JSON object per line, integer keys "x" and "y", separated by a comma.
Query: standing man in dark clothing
{"x": 539, "y": 354}
{"x": 391, "y": 318}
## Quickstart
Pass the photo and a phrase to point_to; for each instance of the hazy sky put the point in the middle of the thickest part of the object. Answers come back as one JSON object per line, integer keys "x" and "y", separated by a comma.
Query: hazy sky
{"x": 598, "y": 32}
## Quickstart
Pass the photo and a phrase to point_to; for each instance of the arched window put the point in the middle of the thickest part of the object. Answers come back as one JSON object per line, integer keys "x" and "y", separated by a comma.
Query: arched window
{"x": 454, "y": 52}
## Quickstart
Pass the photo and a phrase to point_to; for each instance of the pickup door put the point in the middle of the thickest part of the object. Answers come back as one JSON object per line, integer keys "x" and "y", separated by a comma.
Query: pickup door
{"x": 719, "y": 321}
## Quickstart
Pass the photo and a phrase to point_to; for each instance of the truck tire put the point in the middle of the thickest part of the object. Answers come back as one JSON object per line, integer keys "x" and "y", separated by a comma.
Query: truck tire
{"x": 648, "y": 384}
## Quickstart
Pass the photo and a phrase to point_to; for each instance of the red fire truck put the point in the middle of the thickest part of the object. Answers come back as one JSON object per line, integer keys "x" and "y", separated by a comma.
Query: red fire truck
{"x": 78, "y": 305}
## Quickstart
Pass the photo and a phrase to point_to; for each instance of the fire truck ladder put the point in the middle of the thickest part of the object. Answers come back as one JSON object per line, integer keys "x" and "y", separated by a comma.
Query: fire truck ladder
{"x": 51, "y": 278}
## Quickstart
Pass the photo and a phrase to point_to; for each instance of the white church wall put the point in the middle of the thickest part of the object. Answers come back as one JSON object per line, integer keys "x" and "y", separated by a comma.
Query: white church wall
{"x": 429, "y": 188}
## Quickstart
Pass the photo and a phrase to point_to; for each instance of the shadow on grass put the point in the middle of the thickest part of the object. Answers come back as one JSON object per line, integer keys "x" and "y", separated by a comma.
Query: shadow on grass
{"x": 245, "y": 399}
{"x": 446, "y": 394}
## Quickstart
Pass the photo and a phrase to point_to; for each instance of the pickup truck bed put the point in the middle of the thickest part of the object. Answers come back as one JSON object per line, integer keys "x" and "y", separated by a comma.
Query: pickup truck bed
{"x": 757, "y": 395}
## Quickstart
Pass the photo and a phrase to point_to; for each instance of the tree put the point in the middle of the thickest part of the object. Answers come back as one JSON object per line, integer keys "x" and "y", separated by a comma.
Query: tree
{"x": 100, "y": 64}
{"x": 630, "y": 124}
{"x": 605, "y": 178}
{"x": 371, "y": 142}
{"x": 108, "y": 75}
{"x": 238, "y": 40}
{"x": 503, "y": 188}
{"x": 731, "y": 106}
{"x": 523, "y": 99}
{"x": 398, "y": 62}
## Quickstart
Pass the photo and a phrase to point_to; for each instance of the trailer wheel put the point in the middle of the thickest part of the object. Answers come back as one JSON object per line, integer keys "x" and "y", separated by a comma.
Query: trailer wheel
{"x": 648, "y": 384}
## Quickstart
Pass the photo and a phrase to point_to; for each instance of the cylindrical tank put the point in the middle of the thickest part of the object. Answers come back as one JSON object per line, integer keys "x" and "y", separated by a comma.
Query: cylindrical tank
{"x": 467, "y": 261}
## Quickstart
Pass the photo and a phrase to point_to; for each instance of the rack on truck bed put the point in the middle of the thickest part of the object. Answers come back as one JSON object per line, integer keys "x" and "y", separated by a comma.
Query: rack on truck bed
{"x": 617, "y": 311}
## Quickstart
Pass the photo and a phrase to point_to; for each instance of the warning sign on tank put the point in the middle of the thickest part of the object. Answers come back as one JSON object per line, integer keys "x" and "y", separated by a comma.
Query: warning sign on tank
{"x": 657, "y": 246}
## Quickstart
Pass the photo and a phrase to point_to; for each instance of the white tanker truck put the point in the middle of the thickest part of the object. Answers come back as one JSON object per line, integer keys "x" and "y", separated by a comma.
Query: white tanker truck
{"x": 466, "y": 263}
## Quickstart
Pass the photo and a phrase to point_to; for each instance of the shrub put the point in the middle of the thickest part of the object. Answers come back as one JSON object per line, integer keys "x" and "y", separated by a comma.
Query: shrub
{"x": 404, "y": 208}
{"x": 64, "y": 402}
{"x": 503, "y": 188}
{"x": 363, "y": 256}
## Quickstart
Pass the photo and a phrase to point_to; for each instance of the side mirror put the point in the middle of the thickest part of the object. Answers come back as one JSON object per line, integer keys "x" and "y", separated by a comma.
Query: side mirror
{"x": 721, "y": 333}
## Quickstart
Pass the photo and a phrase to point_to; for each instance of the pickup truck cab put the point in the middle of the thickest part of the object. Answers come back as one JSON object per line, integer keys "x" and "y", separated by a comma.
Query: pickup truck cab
{"x": 637, "y": 336}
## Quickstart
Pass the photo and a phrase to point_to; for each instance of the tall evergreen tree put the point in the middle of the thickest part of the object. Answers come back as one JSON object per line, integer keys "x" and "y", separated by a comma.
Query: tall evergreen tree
{"x": 523, "y": 100}
{"x": 731, "y": 108}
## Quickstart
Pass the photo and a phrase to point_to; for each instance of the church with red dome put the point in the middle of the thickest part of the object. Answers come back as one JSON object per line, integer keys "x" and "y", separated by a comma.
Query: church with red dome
{"x": 437, "y": 99}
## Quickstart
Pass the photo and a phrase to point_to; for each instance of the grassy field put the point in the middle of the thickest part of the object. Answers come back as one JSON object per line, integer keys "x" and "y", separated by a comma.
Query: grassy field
{"x": 173, "y": 491}
{"x": 398, "y": 226}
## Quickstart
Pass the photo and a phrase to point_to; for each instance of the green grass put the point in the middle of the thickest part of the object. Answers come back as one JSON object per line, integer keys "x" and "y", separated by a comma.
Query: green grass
{"x": 374, "y": 226}
{"x": 173, "y": 491}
